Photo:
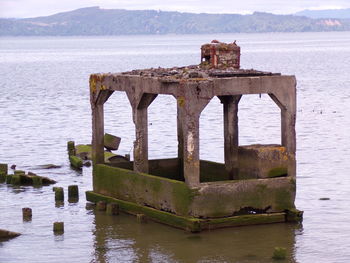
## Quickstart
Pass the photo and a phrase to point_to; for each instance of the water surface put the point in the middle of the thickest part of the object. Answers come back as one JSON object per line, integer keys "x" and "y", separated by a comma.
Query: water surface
{"x": 44, "y": 102}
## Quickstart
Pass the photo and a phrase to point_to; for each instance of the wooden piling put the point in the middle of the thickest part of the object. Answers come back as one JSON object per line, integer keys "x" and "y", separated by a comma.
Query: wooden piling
{"x": 73, "y": 193}
{"x": 59, "y": 194}
{"x": 9, "y": 178}
{"x": 58, "y": 227}
{"x": 27, "y": 213}
{"x": 141, "y": 218}
{"x": 101, "y": 206}
{"x": 3, "y": 168}
{"x": 71, "y": 148}
{"x": 112, "y": 209}
{"x": 76, "y": 162}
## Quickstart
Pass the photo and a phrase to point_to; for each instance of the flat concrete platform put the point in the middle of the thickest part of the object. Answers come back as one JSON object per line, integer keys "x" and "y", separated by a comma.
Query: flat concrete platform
{"x": 192, "y": 224}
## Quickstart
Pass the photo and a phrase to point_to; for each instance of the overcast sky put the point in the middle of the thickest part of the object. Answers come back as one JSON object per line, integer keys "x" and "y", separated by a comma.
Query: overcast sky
{"x": 33, "y": 8}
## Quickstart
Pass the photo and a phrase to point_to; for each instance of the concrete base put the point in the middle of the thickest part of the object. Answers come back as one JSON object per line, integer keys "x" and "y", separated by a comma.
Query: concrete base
{"x": 190, "y": 223}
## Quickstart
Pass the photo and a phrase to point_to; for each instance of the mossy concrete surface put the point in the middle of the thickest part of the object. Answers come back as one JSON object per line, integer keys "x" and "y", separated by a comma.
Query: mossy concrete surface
{"x": 209, "y": 200}
{"x": 264, "y": 161}
{"x": 84, "y": 151}
{"x": 188, "y": 223}
{"x": 221, "y": 199}
{"x": 143, "y": 189}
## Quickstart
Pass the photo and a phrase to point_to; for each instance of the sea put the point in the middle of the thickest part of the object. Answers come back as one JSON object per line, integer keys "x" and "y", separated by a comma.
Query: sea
{"x": 44, "y": 102}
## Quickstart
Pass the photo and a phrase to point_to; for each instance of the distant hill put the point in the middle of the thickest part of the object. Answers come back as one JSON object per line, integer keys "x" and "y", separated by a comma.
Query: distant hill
{"x": 96, "y": 21}
{"x": 329, "y": 13}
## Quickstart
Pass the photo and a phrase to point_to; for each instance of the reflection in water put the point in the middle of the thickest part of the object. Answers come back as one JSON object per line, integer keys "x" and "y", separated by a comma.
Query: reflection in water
{"x": 122, "y": 239}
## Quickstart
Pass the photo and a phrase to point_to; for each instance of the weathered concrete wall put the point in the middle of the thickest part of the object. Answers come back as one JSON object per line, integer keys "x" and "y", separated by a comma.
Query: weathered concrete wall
{"x": 221, "y": 199}
{"x": 209, "y": 200}
{"x": 147, "y": 190}
{"x": 264, "y": 161}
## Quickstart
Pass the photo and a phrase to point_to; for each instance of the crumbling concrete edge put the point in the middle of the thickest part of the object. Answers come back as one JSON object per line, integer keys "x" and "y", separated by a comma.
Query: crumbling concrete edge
{"x": 190, "y": 223}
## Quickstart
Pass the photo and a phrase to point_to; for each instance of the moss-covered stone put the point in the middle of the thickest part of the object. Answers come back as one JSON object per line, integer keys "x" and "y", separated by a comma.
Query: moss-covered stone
{"x": 2, "y": 177}
{"x": 71, "y": 148}
{"x": 18, "y": 172}
{"x": 37, "y": 181}
{"x": 279, "y": 253}
{"x": 76, "y": 162}
{"x": 294, "y": 215}
{"x": 111, "y": 142}
{"x": 9, "y": 178}
{"x": 5, "y": 234}
{"x": 3, "y": 168}
{"x": 16, "y": 179}
{"x": 84, "y": 151}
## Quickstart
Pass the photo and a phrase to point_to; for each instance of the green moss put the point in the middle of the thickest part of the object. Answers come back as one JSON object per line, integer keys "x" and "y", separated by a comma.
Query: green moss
{"x": 16, "y": 179}
{"x": 76, "y": 162}
{"x": 190, "y": 224}
{"x": 277, "y": 172}
{"x": 2, "y": 177}
{"x": 37, "y": 180}
{"x": 143, "y": 188}
{"x": 71, "y": 148}
{"x": 244, "y": 220}
{"x": 3, "y": 168}
{"x": 82, "y": 149}
{"x": 279, "y": 253}
{"x": 294, "y": 215}
{"x": 9, "y": 178}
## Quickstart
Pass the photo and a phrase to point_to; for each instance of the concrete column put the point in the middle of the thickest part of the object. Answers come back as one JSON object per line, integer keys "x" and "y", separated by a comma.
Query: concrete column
{"x": 140, "y": 116}
{"x": 180, "y": 149}
{"x": 97, "y": 99}
{"x": 190, "y": 147}
{"x": 141, "y": 141}
{"x": 288, "y": 136}
{"x": 97, "y": 134}
{"x": 190, "y": 104}
{"x": 230, "y": 105}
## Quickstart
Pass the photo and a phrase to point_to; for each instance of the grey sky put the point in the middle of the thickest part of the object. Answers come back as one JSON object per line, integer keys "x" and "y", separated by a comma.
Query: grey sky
{"x": 32, "y": 8}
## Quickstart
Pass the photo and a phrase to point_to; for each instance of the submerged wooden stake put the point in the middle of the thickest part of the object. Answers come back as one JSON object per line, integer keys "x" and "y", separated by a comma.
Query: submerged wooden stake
{"x": 71, "y": 148}
{"x": 58, "y": 227}
{"x": 27, "y": 213}
{"x": 101, "y": 206}
{"x": 141, "y": 218}
{"x": 73, "y": 193}
{"x": 59, "y": 194}
{"x": 112, "y": 209}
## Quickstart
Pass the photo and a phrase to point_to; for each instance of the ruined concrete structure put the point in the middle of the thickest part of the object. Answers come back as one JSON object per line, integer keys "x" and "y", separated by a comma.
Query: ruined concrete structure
{"x": 220, "y": 55}
{"x": 256, "y": 184}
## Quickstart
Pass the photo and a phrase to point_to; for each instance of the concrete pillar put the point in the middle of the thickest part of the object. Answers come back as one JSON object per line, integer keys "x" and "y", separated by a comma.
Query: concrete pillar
{"x": 97, "y": 134}
{"x": 180, "y": 148}
{"x": 230, "y": 105}
{"x": 141, "y": 141}
{"x": 140, "y": 117}
{"x": 189, "y": 107}
{"x": 191, "y": 162}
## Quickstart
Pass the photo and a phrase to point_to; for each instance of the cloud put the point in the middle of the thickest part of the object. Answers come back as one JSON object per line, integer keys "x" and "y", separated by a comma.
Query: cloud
{"x": 32, "y": 8}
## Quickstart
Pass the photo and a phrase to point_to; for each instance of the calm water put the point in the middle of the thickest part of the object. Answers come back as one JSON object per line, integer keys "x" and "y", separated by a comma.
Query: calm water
{"x": 44, "y": 102}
